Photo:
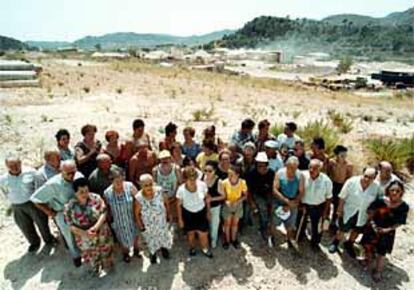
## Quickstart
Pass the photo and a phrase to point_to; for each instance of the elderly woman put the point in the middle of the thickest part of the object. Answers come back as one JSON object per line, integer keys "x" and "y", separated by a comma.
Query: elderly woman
{"x": 86, "y": 216}
{"x": 87, "y": 150}
{"x": 385, "y": 216}
{"x": 193, "y": 209}
{"x": 63, "y": 140}
{"x": 114, "y": 149}
{"x": 152, "y": 211}
{"x": 120, "y": 198}
{"x": 216, "y": 199}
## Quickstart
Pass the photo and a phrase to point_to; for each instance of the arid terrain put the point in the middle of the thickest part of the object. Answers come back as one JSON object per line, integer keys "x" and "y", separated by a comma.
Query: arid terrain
{"x": 111, "y": 94}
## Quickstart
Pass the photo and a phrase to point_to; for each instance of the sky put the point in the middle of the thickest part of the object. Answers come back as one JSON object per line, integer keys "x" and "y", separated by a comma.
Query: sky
{"x": 72, "y": 19}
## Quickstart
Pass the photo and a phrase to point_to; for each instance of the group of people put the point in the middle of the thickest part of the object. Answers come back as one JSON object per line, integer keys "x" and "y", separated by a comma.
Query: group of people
{"x": 128, "y": 193}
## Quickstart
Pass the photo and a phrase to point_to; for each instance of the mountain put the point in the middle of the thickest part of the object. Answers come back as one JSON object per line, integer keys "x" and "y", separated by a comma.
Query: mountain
{"x": 8, "y": 43}
{"x": 339, "y": 35}
{"x": 131, "y": 39}
{"x": 396, "y": 18}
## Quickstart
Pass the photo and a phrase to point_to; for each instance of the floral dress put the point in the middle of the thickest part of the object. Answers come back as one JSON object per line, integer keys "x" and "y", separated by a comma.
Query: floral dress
{"x": 153, "y": 216}
{"x": 97, "y": 249}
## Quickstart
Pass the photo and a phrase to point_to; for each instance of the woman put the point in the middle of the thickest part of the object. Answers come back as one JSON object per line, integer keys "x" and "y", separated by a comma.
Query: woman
{"x": 87, "y": 150}
{"x": 123, "y": 213}
{"x": 152, "y": 213}
{"x": 117, "y": 151}
{"x": 235, "y": 191}
{"x": 63, "y": 140}
{"x": 86, "y": 216}
{"x": 193, "y": 210}
{"x": 216, "y": 199}
{"x": 176, "y": 154}
{"x": 190, "y": 147}
{"x": 224, "y": 164}
{"x": 386, "y": 215}
{"x": 190, "y": 162}
{"x": 208, "y": 153}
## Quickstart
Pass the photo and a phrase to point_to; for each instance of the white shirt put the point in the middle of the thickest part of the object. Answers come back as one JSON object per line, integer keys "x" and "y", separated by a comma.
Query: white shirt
{"x": 318, "y": 190}
{"x": 18, "y": 189}
{"x": 193, "y": 201}
{"x": 289, "y": 141}
{"x": 358, "y": 200}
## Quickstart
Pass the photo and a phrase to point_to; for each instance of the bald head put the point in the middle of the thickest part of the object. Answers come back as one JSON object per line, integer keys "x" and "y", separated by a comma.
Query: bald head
{"x": 13, "y": 163}
{"x": 385, "y": 170}
{"x": 68, "y": 169}
{"x": 315, "y": 166}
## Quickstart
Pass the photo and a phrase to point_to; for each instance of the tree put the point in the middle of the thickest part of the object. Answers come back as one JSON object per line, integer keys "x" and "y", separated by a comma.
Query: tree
{"x": 344, "y": 64}
{"x": 98, "y": 47}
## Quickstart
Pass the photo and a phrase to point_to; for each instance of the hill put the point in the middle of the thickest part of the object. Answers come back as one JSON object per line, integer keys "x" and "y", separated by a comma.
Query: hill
{"x": 131, "y": 39}
{"x": 341, "y": 34}
{"x": 8, "y": 43}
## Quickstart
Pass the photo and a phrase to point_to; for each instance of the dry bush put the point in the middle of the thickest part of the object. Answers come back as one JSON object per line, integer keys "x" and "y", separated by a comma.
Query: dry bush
{"x": 340, "y": 121}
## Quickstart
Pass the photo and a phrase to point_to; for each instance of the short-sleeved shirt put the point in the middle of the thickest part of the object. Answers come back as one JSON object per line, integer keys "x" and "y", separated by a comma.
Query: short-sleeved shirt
{"x": 193, "y": 201}
{"x": 239, "y": 139}
{"x": 192, "y": 150}
{"x": 99, "y": 181}
{"x": 289, "y": 187}
{"x": 357, "y": 200}
{"x": 18, "y": 189}
{"x": 276, "y": 163}
{"x": 66, "y": 154}
{"x": 234, "y": 192}
{"x": 56, "y": 192}
{"x": 202, "y": 158}
{"x": 260, "y": 185}
{"x": 288, "y": 141}
{"x": 46, "y": 172}
{"x": 318, "y": 190}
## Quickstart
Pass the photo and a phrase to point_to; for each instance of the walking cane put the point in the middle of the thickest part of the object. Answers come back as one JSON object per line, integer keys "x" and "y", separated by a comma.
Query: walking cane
{"x": 302, "y": 220}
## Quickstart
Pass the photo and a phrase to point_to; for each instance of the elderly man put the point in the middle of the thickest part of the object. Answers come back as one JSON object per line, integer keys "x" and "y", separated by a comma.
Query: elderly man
{"x": 288, "y": 137}
{"x": 18, "y": 185}
{"x": 275, "y": 161}
{"x": 244, "y": 135}
{"x": 99, "y": 180}
{"x": 356, "y": 196}
{"x": 288, "y": 189}
{"x": 316, "y": 200}
{"x": 260, "y": 192}
{"x": 51, "y": 166}
{"x": 52, "y": 197}
{"x": 385, "y": 176}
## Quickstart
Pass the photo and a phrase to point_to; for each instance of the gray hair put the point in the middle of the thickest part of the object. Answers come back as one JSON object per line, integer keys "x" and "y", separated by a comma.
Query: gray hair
{"x": 117, "y": 173}
{"x": 102, "y": 157}
{"x": 316, "y": 162}
{"x": 146, "y": 177}
{"x": 293, "y": 160}
{"x": 67, "y": 163}
{"x": 370, "y": 171}
{"x": 12, "y": 156}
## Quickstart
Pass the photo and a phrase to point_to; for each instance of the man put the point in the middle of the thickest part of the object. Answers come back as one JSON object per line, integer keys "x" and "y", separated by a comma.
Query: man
{"x": 275, "y": 161}
{"x": 339, "y": 170}
{"x": 52, "y": 197}
{"x": 288, "y": 189}
{"x": 143, "y": 161}
{"x": 263, "y": 135}
{"x": 99, "y": 180}
{"x": 299, "y": 152}
{"x": 318, "y": 152}
{"x": 51, "y": 166}
{"x": 316, "y": 200}
{"x": 247, "y": 163}
{"x": 355, "y": 197}
{"x": 244, "y": 135}
{"x": 169, "y": 139}
{"x": 260, "y": 192}
{"x": 139, "y": 137}
{"x": 18, "y": 184}
{"x": 385, "y": 176}
{"x": 289, "y": 137}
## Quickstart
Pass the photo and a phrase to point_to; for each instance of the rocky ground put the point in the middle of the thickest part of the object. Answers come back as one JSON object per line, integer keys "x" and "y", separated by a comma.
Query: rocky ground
{"x": 112, "y": 94}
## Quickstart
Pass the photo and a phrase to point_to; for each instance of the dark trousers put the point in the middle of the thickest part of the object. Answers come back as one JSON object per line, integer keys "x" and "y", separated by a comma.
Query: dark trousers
{"x": 26, "y": 215}
{"x": 336, "y": 190}
{"x": 314, "y": 213}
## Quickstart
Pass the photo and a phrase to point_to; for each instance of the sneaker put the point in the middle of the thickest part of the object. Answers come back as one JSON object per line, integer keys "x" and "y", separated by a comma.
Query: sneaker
{"x": 236, "y": 244}
{"x": 349, "y": 248}
{"x": 165, "y": 253}
{"x": 333, "y": 248}
{"x": 77, "y": 262}
{"x": 153, "y": 259}
{"x": 33, "y": 248}
{"x": 192, "y": 252}
{"x": 226, "y": 245}
{"x": 207, "y": 253}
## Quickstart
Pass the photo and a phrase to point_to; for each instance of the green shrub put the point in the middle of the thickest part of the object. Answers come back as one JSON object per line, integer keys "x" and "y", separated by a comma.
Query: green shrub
{"x": 340, "y": 121}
